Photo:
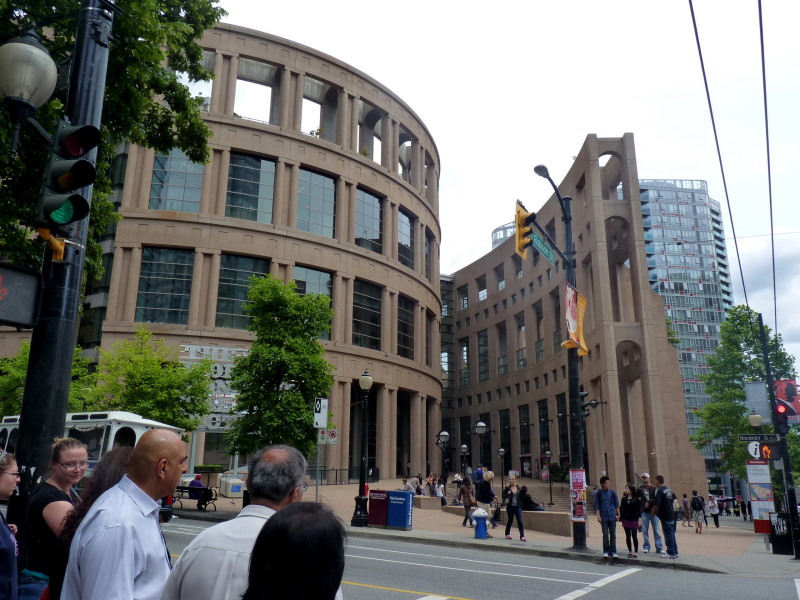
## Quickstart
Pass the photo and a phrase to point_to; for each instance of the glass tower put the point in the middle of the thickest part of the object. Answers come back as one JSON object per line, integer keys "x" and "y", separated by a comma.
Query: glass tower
{"x": 687, "y": 265}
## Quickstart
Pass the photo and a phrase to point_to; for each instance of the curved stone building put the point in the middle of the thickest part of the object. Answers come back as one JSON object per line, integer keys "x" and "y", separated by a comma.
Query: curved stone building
{"x": 318, "y": 174}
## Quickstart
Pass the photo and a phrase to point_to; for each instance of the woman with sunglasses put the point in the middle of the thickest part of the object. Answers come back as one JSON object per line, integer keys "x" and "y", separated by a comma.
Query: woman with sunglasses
{"x": 47, "y": 510}
{"x": 9, "y": 478}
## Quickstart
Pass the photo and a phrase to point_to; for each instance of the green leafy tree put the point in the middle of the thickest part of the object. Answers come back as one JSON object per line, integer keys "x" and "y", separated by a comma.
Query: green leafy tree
{"x": 737, "y": 360}
{"x": 145, "y": 103}
{"x": 672, "y": 336}
{"x": 142, "y": 375}
{"x": 283, "y": 372}
{"x": 12, "y": 382}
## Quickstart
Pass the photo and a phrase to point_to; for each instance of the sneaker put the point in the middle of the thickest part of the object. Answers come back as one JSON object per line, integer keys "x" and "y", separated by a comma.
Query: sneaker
{"x": 614, "y": 555}
{"x": 605, "y": 554}
{"x": 646, "y": 550}
{"x": 631, "y": 555}
{"x": 522, "y": 539}
{"x": 508, "y": 537}
{"x": 673, "y": 557}
{"x": 665, "y": 555}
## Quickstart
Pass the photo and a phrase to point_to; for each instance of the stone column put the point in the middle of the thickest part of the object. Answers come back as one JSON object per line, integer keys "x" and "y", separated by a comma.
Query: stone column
{"x": 213, "y": 288}
{"x": 392, "y": 418}
{"x": 348, "y": 311}
{"x": 383, "y": 440}
{"x": 388, "y": 320}
{"x": 135, "y": 269}
{"x": 217, "y": 205}
{"x": 291, "y": 201}
{"x": 344, "y": 433}
{"x": 415, "y": 451}
{"x": 216, "y": 83}
{"x": 230, "y": 91}
{"x": 284, "y": 98}
{"x": 341, "y": 225}
{"x": 297, "y": 108}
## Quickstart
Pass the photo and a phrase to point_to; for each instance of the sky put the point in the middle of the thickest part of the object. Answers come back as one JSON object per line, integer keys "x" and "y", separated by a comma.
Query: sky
{"x": 505, "y": 86}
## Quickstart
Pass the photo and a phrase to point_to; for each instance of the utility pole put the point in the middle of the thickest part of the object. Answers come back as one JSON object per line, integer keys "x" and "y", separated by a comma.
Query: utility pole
{"x": 44, "y": 402}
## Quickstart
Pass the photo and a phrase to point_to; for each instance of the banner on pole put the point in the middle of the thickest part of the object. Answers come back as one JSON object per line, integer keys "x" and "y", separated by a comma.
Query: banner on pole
{"x": 575, "y": 311}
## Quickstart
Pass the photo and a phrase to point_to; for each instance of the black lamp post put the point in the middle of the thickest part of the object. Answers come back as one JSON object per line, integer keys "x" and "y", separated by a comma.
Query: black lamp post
{"x": 27, "y": 80}
{"x": 501, "y": 453}
{"x": 573, "y": 377}
{"x": 360, "y": 515}
{"x": 548, "y": 454}
{"x": 480, "y": 428}
{"x": 441, "y": 440}
{"x": 464, "y": 452}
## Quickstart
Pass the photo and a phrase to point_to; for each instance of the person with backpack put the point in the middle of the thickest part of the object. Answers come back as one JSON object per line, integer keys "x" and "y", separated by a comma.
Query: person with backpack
{"x": 606, "y": 504}
{"x": 698, "y": 511}
{"x": 663, "y": 507}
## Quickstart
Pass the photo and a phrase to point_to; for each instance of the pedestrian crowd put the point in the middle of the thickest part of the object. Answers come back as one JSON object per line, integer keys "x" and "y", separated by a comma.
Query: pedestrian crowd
{"x": 107, "y": 543}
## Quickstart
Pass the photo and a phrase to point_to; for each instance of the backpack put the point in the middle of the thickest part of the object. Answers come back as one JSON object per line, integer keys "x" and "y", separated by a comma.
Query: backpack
{"x": 697, "y": 503}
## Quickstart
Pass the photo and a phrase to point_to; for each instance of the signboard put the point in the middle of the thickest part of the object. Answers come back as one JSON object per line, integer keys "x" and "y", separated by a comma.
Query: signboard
{"x": 760, "y": 487}
{"x": 320, "y": 412}
{"x": 332, "y": 439}
{"x": 757, "y": 401}
{"x": 759, "y": 437}
{"x": 538, "y": 242}
{"x": 577, "y": 494}
{"x": 19, "y": 296}
{"x": 322, "y": 436}
{"x": 786, "y": 394}
{"x": 545, "y": 473}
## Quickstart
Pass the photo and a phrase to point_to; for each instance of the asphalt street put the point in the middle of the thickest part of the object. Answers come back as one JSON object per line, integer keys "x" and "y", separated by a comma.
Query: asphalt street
{"x": 393, "y": 570}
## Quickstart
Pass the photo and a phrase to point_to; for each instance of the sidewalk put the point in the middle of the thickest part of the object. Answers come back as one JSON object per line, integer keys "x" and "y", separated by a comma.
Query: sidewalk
{"x": 726, "y": 550}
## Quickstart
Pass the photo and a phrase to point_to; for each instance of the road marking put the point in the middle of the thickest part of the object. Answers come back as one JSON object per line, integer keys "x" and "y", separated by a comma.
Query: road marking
{"x": 480, "y": 562}
{"x": 389, "y": 589}
{"x": 434, "y": 598}
{"x": 413, "y": 564}
{"x": 598, "y": 584}
{"x": 797, "y": 586}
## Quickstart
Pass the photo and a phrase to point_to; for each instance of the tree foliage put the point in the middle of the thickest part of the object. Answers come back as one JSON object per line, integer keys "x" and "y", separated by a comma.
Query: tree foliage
{"x": 283, "y": 372}
{"x": 737, "y": 360}
{"x": 142, "y": 375}
{"x": 145, "y": 102}
{"x": 13, "y": 371}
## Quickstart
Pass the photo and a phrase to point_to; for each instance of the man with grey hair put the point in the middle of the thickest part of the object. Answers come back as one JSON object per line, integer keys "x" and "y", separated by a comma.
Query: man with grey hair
{"x": 216, "y": 564}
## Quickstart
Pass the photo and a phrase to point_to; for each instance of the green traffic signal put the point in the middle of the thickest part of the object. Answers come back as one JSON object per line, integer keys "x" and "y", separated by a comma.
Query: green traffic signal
{"x": 67, "y": 172}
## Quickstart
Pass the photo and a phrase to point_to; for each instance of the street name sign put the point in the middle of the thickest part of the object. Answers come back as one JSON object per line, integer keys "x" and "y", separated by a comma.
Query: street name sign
{"x": 759, "y": 437}
{"x": 538, "y": 242}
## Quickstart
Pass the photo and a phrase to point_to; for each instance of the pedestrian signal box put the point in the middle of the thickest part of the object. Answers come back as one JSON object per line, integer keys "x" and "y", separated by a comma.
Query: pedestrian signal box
{"x": 769, "y": 450}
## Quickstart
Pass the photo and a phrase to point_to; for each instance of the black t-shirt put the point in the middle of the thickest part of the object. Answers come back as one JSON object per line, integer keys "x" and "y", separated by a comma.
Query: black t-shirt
{"x": 43, "y": 544}
{"x": 664, "y": 504}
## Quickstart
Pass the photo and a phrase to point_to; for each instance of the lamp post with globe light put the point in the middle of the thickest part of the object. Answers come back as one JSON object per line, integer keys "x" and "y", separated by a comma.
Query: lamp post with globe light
{"x": 441, "y": 440}
{"x": 361, "y": 515}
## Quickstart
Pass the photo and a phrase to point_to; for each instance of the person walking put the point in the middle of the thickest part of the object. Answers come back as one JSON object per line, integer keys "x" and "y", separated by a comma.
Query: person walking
{"x": 606, "y": 504}
{"x": 512, "y": 497}
{"x": 663, "y": 507}
{"x": 466, "y": 495}
{"x": 485, "y": 496}
{"x": 630, "y": 515}
{"x": 698, "y": 512}
{"x": 440, "y": 492}
{"x": 713, "y": 507}
{"x": 647, "y": 493}
{"x": 687, "y": 512}
{"x": 9, "y": 478}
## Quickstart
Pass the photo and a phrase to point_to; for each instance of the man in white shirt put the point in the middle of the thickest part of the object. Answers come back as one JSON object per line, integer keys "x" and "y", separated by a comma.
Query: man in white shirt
{"x": 118, "y": 550}
{"x": 217, "y": 562}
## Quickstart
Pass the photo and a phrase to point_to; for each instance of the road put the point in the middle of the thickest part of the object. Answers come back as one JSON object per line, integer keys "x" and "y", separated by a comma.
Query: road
{"x": 400, "y": 570}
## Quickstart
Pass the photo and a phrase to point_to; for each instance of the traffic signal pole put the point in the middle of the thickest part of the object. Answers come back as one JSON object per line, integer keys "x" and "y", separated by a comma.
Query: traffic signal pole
{"x": 788, "y": 478}
{"x": 44, "y": 403}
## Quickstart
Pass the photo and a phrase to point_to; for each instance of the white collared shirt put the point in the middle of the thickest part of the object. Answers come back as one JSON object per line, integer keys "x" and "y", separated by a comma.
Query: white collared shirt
{"x": 118, "y": 550}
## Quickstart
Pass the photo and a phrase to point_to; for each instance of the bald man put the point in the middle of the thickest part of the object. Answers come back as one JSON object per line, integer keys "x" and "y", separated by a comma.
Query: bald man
{"x": 118, "y": 550}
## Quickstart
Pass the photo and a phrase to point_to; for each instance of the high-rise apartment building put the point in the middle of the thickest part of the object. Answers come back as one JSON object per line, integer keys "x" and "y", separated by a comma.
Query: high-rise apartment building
{"x": 687, "y": 264}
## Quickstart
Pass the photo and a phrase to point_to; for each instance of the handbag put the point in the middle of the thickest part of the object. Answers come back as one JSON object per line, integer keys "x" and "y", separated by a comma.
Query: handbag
{"x": 497, "y": 514}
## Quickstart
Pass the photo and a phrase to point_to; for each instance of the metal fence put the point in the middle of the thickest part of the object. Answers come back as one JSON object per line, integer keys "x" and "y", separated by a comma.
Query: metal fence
{"x": 341, "y": 476}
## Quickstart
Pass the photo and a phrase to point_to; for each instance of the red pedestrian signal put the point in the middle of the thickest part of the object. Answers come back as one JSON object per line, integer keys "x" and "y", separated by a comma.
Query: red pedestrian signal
{"x": 781, "y": 417}
{"x": 769, "y": 450}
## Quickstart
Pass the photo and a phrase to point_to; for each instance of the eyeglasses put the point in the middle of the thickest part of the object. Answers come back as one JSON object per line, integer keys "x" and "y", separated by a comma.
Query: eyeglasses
{"x": 74, "y": 466}
{"x": 14, "y": 475}
{"x": 303, "y": 486}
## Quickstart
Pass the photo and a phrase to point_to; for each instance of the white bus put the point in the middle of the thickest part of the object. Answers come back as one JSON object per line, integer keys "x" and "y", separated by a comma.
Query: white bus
{"x": 100, "y": 431}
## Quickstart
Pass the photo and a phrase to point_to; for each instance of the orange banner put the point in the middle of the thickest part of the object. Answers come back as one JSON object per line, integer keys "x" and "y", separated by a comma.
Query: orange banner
{"x": 575, "y": 311}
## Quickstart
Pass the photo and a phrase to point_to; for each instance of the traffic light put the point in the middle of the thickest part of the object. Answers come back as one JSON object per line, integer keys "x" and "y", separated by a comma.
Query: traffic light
{"x": 781, "y": 418}
{"x": 585, "y": 406}
{"x": 769, "y": 450}
{"x": 67, "y": 171}
{"x": 522, "y": 232}
{"x": 19, "y": 296}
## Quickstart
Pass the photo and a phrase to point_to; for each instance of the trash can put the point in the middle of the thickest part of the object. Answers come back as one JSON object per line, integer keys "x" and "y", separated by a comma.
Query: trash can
{"x": 779, "y": 533}
{"x": 480, "y": 517}
{"x": 231, "y": 487}
{"x": 378, "y": 508}
{"x": 398, "y": 513}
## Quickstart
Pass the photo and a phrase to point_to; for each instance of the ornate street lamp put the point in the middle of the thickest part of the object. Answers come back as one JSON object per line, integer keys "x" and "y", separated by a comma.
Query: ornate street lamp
{"x": 480, "y": 428}
{"x": 27, "y": 80}
{"x": 360, "y": 515}
{"x": 548, "y": 454}
{"x": 501, "y": 453}
{"x": 464, "y": 452}
{"x": 441, "y": 440}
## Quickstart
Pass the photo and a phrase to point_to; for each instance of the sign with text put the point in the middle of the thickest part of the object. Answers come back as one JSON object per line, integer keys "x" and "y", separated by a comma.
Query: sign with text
{"x": 577, "y": 494}
{"x": 538, "y": 242}
{"x": 758, "y": 437}
{"x": 760, "y": 488}
{"x": 320, "y": 412}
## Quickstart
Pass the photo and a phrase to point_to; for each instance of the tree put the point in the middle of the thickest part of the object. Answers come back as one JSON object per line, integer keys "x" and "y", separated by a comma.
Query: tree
{"x": 142, "y": 375}
{"x": 737, "y": 360}
{"x": 283, "y": 372}
{"x": 145, "y": 103}
{"x": 12, "y": 381}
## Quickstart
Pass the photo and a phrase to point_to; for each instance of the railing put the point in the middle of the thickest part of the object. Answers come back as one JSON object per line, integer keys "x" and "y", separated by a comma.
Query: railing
{"x": 502, "y": 365}
{"x": 341, "y": 476}
{"x": 522, "y": 358}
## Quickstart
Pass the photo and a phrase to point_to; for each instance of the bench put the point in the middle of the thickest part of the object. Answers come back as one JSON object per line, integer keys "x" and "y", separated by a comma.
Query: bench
{"x": 207, "y": 496}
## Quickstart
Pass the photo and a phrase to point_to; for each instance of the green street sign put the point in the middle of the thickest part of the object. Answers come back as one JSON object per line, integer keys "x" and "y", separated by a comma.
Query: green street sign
{"x": 538, "y": 242}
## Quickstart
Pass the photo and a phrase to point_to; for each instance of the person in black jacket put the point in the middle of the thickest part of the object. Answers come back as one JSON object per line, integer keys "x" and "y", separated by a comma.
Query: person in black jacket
{"x": 528, "y": 503}
{"x": 630, "y": 515}
{"x": 484, "y": 494}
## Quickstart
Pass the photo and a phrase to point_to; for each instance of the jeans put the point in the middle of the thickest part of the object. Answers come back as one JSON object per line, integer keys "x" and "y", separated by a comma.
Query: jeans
{"x": 647, "y": 521}
{"x": 669, "y": 537}
{"x": 609, "y": 537}
{"x": 30, "y": 588}
{"x": 511, "y": 512}
{"x": 468, "y": 516}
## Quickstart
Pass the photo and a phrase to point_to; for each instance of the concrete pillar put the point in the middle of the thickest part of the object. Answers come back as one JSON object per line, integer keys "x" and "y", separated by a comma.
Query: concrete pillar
{"x": 216, "y": 83}
{"x": 342, "y": 119}
{"x": 291, "y": 201}
{"x": 383, "y": 443}
{"x": 415, "y": 451}
{"x": 230, "y": 91}
{"x": 135, "y": 269}
{"x": 348, "y": 311}
{"x": 213, "y": 287}
{"x": 217, "y": 204}
{"x": 280, "y": 199}
{"x": 344, "y": 433}
{"x": 388, "y": 339}
{"x": 392, "y": 418}
{"x": 341, "y": 225}
{"x": 297, "y": 108}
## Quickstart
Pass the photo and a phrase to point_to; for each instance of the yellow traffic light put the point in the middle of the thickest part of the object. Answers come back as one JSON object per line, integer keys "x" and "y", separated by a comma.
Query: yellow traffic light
{"x": 522, "y": 232}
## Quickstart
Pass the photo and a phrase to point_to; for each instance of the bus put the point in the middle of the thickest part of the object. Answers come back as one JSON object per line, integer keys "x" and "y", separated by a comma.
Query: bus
{"x": 101, "y": 431}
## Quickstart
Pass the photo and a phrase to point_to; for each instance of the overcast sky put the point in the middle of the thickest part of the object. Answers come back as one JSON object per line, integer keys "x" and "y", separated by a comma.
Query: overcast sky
{"x": 504, "y": 86}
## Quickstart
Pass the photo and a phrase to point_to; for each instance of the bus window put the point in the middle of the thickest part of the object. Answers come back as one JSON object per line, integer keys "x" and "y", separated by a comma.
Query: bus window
{"x": 12, "y": 441}
{"x": 124, "y": 438}
{"x": 3, "y": 438}
{"x": 91, "y": 435}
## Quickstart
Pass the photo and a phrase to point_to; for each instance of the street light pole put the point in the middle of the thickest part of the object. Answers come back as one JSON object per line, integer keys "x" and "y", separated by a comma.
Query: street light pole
{"x": 573, "y": 375}
{"x": 480, "y": 428}
{"x": 548, "y": 454}
{"x": 361, "y": 515}
{"x": 501, "y": 453}
{"x": 464, "y": 450}
{"x": 441, "y": 440}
